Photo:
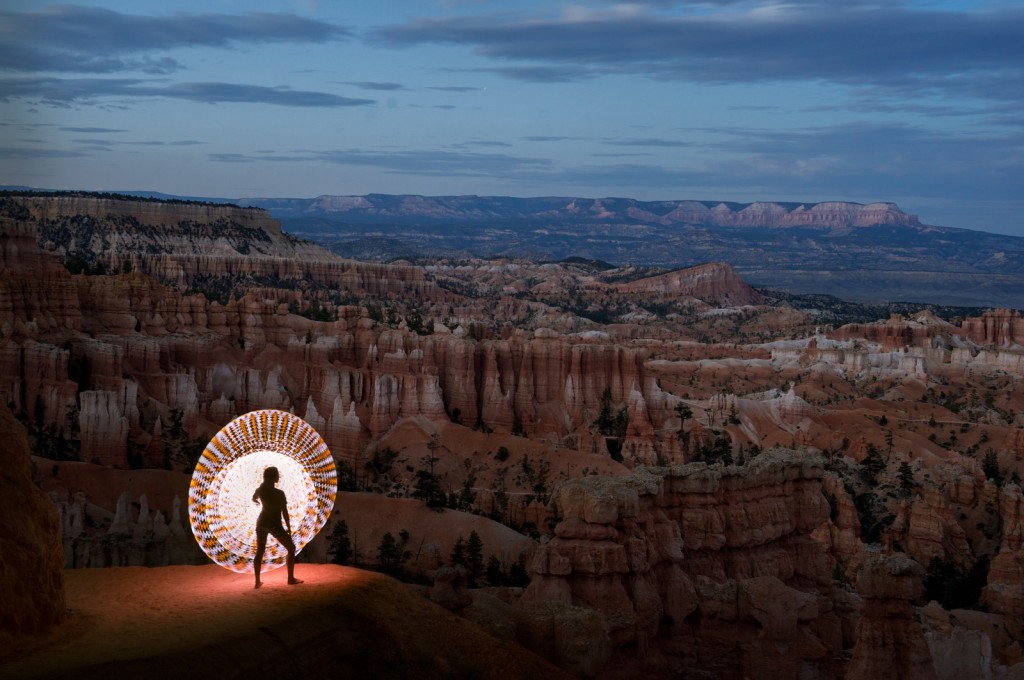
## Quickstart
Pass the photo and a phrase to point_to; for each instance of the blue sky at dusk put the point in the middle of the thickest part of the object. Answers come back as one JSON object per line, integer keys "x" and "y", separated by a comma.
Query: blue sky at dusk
{"x": 809, "y": 100}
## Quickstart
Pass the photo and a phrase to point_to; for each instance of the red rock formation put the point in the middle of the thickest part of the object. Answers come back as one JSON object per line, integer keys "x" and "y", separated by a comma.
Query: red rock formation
{"x": 31, "y": 575}
{"x": 1005, "y": 590}
{"x": 998, "y": 328}
{"x": 36, "y": 293}
{"x": 890, "y": 643}
{"x": 933, "y": 531}
{"x": 696, "y": 565}
{"x": 1011, "y": 511}
{"x": 716, "y": 282}
{"x": 842, "y": 534}
{"x": 898, "y": 332}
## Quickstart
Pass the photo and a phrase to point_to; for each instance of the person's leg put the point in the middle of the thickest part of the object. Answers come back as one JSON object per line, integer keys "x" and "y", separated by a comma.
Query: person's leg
{"x": 284, "y": 539}
{"x": 290, "y": 547}
{"x": 257, "y": 562}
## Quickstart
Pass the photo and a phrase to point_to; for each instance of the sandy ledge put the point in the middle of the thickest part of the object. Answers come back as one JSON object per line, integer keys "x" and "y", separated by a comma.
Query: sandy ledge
{"x": 205, "y": 621}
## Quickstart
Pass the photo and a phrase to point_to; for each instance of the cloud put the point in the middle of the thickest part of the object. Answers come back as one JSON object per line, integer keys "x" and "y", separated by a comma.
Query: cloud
{"x": 542, "y": 73}
{"x": 91, "y": 130}
{"x": 77, "y": 39}
{"x": 899, "y": 46}
{"x": 551, "y": 138}
{"x": 650, "y": 141}
{"x": 88, "y": 90}
{"x": 370, "y": 85}
{"x": 20, "y": 153}
{"x": 413, "y": 162}
{"x": 484, "y": 142}
{"x": 456, "y": 88}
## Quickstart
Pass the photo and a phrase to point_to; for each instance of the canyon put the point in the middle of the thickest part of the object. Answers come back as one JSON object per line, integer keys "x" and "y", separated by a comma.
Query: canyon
{"x": 698, "y": 477}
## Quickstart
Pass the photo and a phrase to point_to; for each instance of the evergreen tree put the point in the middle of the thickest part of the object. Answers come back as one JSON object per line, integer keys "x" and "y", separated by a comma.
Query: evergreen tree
{"x": 495, "y": 575}
{"x": 339, "y": 544}
{"x": 872, "y": 465}
{"x": 906, "y": 477}
{"x": 518, "y": 577}
{"x": 391, "y": 553}
{"x": 458, "y": 556}
{"x": 428, "y": 485}
{"x": 474, "y": 558}
{"x": 990, "y": 466}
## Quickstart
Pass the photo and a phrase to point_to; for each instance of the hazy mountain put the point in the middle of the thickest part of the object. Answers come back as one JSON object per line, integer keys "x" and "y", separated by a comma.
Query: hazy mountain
{"x": 860, "y": 252}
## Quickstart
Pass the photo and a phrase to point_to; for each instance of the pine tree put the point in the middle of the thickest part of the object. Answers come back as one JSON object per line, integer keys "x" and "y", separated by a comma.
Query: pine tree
{"x": 495, "y": 575}
{"x": 990, "y": 466}
{"x": 458, "y": 556}
{"x": 474, "y": 558}
{"x": 906, "y": 477}
{"x": 872, "y": 465}
{"x": 391, "y": 553}
{"x": 340, "y": 546}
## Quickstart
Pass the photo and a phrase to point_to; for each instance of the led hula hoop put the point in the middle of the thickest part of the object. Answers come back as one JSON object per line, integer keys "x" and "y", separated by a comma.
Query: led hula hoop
{"x": 220, "y": 505}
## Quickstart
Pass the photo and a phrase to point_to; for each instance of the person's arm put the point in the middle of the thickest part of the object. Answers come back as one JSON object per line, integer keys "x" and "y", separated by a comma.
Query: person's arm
{"x": 284, "y": 512}
{"x": 256, "y": 496}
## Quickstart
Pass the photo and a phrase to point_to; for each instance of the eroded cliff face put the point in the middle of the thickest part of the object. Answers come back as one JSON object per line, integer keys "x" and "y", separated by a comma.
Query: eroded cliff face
{"x": 199, "y": 246}
{"x": 715, "y": 282}
{"x": 31, "y": 571}
{"x": 126, "y": 353}
{"x": 702, "y": 567}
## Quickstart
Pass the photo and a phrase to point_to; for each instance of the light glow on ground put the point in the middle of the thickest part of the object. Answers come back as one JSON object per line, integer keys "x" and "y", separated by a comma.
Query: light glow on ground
{"x": 221, "y": 510}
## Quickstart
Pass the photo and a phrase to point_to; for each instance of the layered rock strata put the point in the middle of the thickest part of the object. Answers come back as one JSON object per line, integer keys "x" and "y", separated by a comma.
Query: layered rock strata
{"x": 890, "y": 643}
{"x": 697, "y": 566}
{"x": 31, "y": 568}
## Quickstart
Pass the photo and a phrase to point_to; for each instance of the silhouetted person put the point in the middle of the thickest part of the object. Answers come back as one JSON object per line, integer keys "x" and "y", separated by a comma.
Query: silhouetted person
{"x": 275, "y": 506}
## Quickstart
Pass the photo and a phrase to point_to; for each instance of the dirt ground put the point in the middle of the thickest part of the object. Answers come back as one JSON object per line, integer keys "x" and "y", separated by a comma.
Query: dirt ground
{"x": 206, "y": 621}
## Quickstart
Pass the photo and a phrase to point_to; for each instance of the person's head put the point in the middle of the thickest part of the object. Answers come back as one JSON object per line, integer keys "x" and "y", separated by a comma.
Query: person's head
{"x": 271, "y": 475}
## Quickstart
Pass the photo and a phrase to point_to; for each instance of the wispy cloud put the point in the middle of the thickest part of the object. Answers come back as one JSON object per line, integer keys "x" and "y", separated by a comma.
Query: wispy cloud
{"x": 901, "y": 46}
{"x": 77, "y": 39}
{"x": 455, "y": 88}
{"x": 91, "y": 130}
{"x": 85, "y": 42}
{"x": 88, "y": 90}
{"x": 650, "y": 141}
{"x": 413, "y": 162}
{"x": 371, "y": 85}
{"x": 21, "y": 153}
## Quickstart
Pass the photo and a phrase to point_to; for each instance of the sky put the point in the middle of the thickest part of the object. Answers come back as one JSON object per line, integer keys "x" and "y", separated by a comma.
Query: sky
{"x": 915, "y": 102}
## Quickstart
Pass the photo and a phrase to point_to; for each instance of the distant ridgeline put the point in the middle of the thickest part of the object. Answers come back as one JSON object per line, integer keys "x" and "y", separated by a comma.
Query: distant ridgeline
{"x": 141, "y": 196}
{"x": 863, "y": 252}
{"x": 859, "y": 252}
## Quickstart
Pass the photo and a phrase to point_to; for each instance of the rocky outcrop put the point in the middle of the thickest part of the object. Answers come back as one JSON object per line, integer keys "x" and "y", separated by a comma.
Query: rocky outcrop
{"x": 890, "y": 643}
{"x": 898, "y": 332}
{"x": 931, "y": 530}
{"x": 1005, "y": 590}
{"x": 998, "y": 328}
{"x": 31, "y": 571}
{"x": 37, "y": 295}
{"x": 716, "y": 283}
{"x": 697, "y": 565}
{"x": 198, "y": 245}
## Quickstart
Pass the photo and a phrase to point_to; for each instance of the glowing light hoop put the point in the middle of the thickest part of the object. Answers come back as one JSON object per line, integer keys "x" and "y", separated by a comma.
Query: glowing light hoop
{"x": 220, "y": 506}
